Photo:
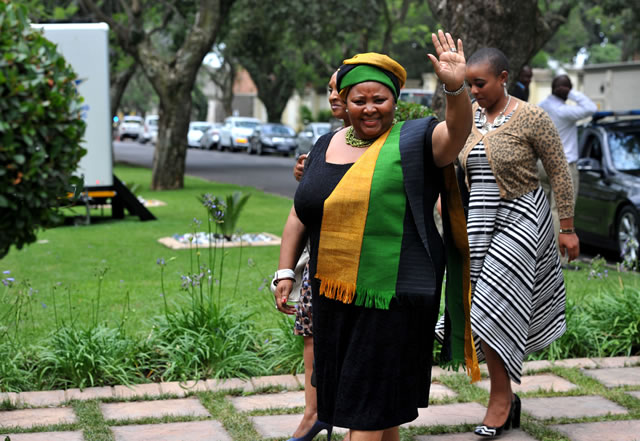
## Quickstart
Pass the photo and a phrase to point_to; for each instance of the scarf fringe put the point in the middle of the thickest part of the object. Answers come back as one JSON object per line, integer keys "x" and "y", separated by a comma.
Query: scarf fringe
{"x": 337, "y": 290}
{"x": 371, "y": 298}
{"x": 348, "y": 293}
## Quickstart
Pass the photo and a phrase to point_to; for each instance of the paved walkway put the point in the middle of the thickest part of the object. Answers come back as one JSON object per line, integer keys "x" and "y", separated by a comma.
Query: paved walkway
{"x": 557, "y": 400}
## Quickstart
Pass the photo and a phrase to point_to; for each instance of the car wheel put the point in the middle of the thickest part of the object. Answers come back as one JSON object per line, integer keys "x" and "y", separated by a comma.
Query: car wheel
{"x": 627, "y": 231}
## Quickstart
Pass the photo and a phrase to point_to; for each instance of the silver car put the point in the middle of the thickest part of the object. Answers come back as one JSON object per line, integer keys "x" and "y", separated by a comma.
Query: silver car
{"x": 310, "y": 134}
{"x": 235, "y": 133}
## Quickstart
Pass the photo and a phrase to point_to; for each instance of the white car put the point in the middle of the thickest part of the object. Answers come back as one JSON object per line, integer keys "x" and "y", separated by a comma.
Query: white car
{"x": 150, "y": 129}
{"x": 196, "y": 130}
{"x": 235, "y": 133}
{"x": 130, "y": 127}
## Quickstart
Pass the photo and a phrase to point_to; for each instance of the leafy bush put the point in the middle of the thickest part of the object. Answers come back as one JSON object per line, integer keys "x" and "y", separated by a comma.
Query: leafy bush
{"x": 40, "y": 130}
{"x": 95, "y": 356}
{"x": 605, "y": 324}
{"x": 283, "y": 349}
{"x": 407, "y": 111}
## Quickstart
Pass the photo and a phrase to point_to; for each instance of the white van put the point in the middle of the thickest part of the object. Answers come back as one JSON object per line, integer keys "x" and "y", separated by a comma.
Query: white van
{"x": 236, "y": 131}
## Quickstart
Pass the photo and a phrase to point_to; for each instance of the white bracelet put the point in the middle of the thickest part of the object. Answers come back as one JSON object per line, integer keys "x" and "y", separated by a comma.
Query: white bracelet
{"x": 282, "y": 274}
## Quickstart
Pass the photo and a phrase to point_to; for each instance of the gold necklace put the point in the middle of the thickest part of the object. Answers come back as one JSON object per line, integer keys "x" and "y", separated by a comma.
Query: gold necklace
{"x": 352, "y": 140}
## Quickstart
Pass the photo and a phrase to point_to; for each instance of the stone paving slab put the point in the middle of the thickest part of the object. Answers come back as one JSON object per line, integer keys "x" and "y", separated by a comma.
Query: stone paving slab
{"x": 11, "y": 397}
{"x": 635, "y": 394}
{"x": 182, "y": 388}
{"x": 42, "y": 398}
{"x": 137, "y": 390}
{"x": 536, "y": 365}
{"x": 604, "y": 431}
{"x": 26, "y": 418}
{"x": 193, "y": 431}
{"x": 134, "y": 410}
{"x": 576, "y": 363}
{"x": 616, "y": 362}
{"x": 439, "y": 391}
{"x": 284, "y": 400}
{"x": 615, "y": 377}
{"x": 44, "y": 436}
{"x": 534, "y": 383}
{"x": 513, "y": 435}
{"x": 570, "y": 407}
{"x": 228, "y": 384}
{"x": 449, "y": 415}
{"x": 286, "y": 381}
{"x": 90, "y": 393}
{"x": 281, "y": 426}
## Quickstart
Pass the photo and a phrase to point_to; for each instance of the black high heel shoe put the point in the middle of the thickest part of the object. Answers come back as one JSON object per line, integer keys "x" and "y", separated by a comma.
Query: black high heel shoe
{"x": 513, "y": 421}
{"x": 317, "y": 427}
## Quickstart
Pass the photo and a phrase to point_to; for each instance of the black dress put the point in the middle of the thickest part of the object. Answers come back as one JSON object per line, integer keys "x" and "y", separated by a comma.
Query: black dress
{"x": 373, "y": 366}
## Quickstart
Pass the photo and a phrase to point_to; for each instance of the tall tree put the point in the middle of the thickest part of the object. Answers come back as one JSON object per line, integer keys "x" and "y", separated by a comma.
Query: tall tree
{"x": 144, "y": 32}
{"x": 267, "y": 51}
{"x": 520, "y": 29}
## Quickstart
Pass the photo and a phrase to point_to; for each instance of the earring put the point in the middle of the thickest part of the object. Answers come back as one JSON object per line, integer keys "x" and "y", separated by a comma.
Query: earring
{"x": 504, "y": 85}
{"x": 396, "y": 108}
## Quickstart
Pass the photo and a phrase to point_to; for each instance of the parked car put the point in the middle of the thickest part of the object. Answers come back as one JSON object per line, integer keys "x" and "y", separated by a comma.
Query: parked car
{"x": 196, "y": 130}
{"x": 309, "y": 135}
{"x": 418, "y": 96}
{"x": 235, "y": 133}
{"x": 211, "y": 137}
{"x": 150, "y": 129}
{"x": 608, "y": 206}
{"x": 130, "y": 127}
{"x": 272, "y": 137}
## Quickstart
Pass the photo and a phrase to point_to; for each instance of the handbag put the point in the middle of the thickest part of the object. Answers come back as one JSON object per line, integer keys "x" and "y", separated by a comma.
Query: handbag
{"x": 296, "y": 291}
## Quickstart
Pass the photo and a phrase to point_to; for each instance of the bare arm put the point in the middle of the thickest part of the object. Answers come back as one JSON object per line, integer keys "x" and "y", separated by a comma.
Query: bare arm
{"x": 294, "y": 236}
{"x": 450, "y": 67}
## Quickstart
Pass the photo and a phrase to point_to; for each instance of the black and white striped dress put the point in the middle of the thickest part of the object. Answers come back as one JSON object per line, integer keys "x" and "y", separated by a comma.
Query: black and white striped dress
{"x": 518, "y": 289}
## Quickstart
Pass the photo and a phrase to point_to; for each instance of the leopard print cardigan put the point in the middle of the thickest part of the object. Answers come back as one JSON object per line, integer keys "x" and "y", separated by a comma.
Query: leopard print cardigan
{"x": 513, "y": 150}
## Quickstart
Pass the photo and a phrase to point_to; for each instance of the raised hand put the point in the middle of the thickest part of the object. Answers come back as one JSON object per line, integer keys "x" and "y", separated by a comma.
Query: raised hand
{"x": 450, "y": 65}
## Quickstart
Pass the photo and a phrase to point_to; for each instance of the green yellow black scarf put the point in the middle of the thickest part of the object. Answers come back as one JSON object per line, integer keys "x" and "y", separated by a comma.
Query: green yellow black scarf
{"x": 364, "y": 217}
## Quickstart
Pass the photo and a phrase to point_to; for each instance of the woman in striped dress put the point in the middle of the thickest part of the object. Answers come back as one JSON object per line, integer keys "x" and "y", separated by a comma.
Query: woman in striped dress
{"x": 518, "y": 288}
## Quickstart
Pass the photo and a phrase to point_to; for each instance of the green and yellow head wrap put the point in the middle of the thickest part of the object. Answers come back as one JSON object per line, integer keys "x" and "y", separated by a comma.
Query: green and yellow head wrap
{"x": 371, "y": 66}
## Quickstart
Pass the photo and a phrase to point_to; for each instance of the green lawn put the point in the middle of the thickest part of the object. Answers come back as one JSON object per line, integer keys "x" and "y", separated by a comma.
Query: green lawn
{"x": 65, "y": 259}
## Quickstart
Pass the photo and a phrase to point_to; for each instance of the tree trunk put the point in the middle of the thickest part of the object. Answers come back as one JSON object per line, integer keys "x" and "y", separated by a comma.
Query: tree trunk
{"x": 171, "y": 147}
{"x": 119, "y": 81}
{"x": 172, "y": 79}
{"x": 518, "y": 28}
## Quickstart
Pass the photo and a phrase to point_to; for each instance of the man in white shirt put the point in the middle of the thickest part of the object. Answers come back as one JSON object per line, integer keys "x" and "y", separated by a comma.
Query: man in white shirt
{"x": 565, "y": 117}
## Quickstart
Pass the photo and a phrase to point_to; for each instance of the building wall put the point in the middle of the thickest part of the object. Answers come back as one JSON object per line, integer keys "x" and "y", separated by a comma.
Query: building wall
{"x": 613, "y": 86}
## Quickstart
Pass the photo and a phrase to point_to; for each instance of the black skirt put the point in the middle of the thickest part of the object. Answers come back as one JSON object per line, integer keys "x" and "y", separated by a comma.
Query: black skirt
{"x": 373, "y": 367}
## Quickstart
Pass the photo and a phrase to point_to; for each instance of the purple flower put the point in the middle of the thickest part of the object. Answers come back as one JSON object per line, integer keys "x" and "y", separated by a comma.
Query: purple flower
{"x": 161, "y": 261}
{"x": 6, "y": 272}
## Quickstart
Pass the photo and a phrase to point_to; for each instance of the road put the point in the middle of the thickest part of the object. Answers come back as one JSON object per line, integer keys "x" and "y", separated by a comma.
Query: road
{"x": 273, "y": 174}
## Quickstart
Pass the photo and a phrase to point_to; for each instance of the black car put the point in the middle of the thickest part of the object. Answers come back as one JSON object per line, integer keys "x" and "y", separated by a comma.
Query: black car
{"x": 273, "y": 137}
{"x": 607, "y": 213}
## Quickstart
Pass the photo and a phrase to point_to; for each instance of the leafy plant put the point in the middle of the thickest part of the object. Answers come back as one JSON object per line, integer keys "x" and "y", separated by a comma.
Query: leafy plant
{"x": 40, "y": 130}
{"x": 95, "y": 356}
{"x": 407, "y": 111}
{"x": 283, "y": 349}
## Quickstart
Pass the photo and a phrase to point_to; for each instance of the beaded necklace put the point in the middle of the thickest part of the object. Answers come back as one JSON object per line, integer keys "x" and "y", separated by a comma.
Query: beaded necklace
{"x": 352, "y": 140}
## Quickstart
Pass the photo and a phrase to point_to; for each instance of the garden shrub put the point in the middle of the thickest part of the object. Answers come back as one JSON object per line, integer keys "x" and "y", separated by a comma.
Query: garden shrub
{"x": 40, "y": 130}
{"x": 407, "y": 111}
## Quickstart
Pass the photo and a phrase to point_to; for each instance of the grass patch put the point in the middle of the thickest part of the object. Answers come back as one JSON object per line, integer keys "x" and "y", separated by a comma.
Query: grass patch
{"x": 236, "y": 424}
{"x": 64, "y": 261}
{"x": 91, "y": 421}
